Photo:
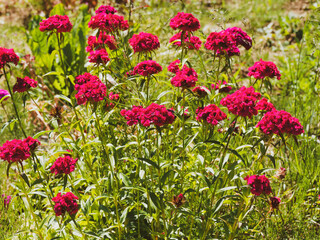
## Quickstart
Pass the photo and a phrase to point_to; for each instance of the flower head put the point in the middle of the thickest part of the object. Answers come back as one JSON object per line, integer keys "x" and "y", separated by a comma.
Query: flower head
{"x": 65, "y": 203}
{"x": 8, "y": 56}
{"x": 263, "y": 69}
{"x": 240, "y": 37}
{"x": 185, "y": 22}
{"x": 200, "y": 91}
{"x": 56, "y": 22}
{"x": 144, "y": 42}
{"x": 264, "y": 105}
{"x": 84, "y": 78}
{"x": 275, "y": 202}
{"x": 259, "y": 184}
{"x": 174, "y": 66}
{"x": 210, "y": 114}
{"x": 185, "y": 78}
{"x": 132, "y": 116}
{"x": 99, "y": 56}
{"x": 96, "y": 43}
{"x": 92, "y": 91}
{"x": 156, "y": 114}
{"x": 24, "y": 84}
{"x": 6, "y": 200}
{"x": 222, "y": 43}
{"x": 64, "y": 165}
{"x": 108, "y": 22}
{"x": 192, "y": 42}
{"x": 147, "y": 68}
{"x": 32, "y": 143}
{"x": 15, "y": 150}
{"x": 106, "y": 9}
{"x": 178, "y": 200}
{"x": 225, "y": 89}
{"x": 4, "y": 95}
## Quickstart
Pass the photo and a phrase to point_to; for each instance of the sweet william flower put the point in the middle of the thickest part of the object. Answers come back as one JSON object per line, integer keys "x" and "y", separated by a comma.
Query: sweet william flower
{"x": 259, "y": 184}
{"x": 225, "y": 89}
{"x": 275, "y": 202}
{"x": 174, "y": 66}
{"x": 84, "y": 78}
{"x": 24, "y": 84}
{"x": 185, "y": 78}
{"x": 264, "y": 105}
{"x": 97, "y": 43}
{"x": 58, "y": 23}
{"x": 6, "y": 200}
{"x": 106, "y": 9}
{"x": 108, "y": 22}
{"x": 4, "y": 95}
{"x": 15, "y": 150}
{"x": 192, "y": 42}
{"x": 91, "y": 91}
{"x": 185, "y": 22}
{"x": 200, "y": 91}
{"x": 64, "y": 165}
{"x": 263, "y": 69}
{"x": 65, "y": 203}
{"x": 147, "y": 68}
{"x": 8, "y": 56}
{"x": 144, "y": 42}
{"x": 210, "y": 114}
{"x": 240, "y": 37}
{"x": 100, "y": 56}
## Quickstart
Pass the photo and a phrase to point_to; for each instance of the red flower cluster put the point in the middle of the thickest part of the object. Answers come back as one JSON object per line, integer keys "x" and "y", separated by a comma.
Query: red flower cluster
{"x": 99, "y": 56}
{"x": 275, "y": 202}
{"x": 225, "y": 89}
{"x": 263, "y": 69}
{"x": 211, "y": 114}
{"x": 144, "y": 42}
{"x": 242, "y": 102}
{"x": 112, "y": 97}
{"x": 259, "y": 184}
{"x": 90, "y": 88}
{"x": 264, "y": 105}
{"x": 179, "y": 200}
{"x": 56, "y": 22}
{"x": 174, "y": 66}
{"x": 65, "y": 203}
{"x": 185, "y": 22}
{"x": 108, "y": 22}
{"x": 64, "y": 165}
{"x": 147, "y": 68}
{"x": 103, "y": 39}
{"x": 106, "y": 9}
{"x": 200, "y": 91}
{"x": 192, "y": 42}
{"x": 18, "y": 150}
{"x": 278, "y": 122}
{"x": 24, "y": 84}
{"x": 185, "y": 78}
{"x": 8, "y": 56}
{"x": 240, "y": 37}
{"x": 153, "y": 114}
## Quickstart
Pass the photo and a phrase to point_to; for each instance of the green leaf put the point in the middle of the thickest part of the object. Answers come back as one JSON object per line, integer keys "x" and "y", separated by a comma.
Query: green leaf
{"x": 25, "y": 178}
{"x": 150, "y": 162}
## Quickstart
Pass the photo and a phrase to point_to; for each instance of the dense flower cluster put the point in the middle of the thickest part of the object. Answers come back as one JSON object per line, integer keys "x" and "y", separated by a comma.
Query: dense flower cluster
{"x": 264, "y": 105}
{"x": 108, "y": 22}
{"x": 84, "y": 78}
{"x": 240, "y": 37}
{"x": 99, "y": 56}
{"x": 113, "y": 97}
{"x": 259, "y": 184}
{"x": 24, "y": 84}
{"x": 153, "y": 114}
{"x": 242, "y": 102}
{"x": 103, "y": 39}
{"x": 93, "y": 90}
{"x": 174, "y": 66}
{"x": 211, "y": 114}
{"x": 192, "y": 42}
{"x": 279, "y": 122}
{"x": 4, "y": 94}
{"x": 65, "y": 203}
{"x": 225, "y": 89}
{"x": 185, "y": 78}
{"x": 18, "y": 150}
{"x": 263, "y": 69}
{"x": 106, "y": 9}
{"x": 185, "y": 22}
{"x": 56, "y": 22}
{"x": 144, "y": 42}
{"x": 64, "y": 165}
{"x": 200, "y": 91}
{"x": 275, "y": 202}
{"x": 147, "y": 68}
{"x": 8, "y": 56}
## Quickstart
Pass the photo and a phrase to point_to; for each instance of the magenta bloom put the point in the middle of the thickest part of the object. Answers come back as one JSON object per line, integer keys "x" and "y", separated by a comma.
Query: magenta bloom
{"x": 32, "y": 143}
{"x": 144, "y": 42}
{"x": 262, "y": 69}
{"x": 100, "y": 56}
{"x": 4, "y": 94}
{"x": 113, "y": 96}
{"x": 6, "y": 200}
{"x": 225, "y": 89}
{"x": 147, "y": 68}
{"x": 264, "y": 105}
{"x": 200, "y": 91}
{"x": 259, "y": 184}
{"x": 106, "y": 9}
{"x": 56, "y": 22}
{"x": 24, "y": 84}
{"x": 275, "y": 202}
{"x": 185, "y": 78}
{"x": 8, "y": 56}
{"x": 210, "y": 114}
{"x": 15, "y": 150}
{"x": 192, "y": 42}
{"x": 108, "y": 22}
{"x": 242, "y": 102}
{"x": 185, "y": 22}
{"x": 92, "y": 91}
{"x": 222, "y": 43}
{"x": 278, "y": 122}
{"x": 157, "y": 115}
{"x": 132, "y": 116}
{"x": 103, "y": 39}
{"x": 240, "y": 37}
{"x": 84, "y": 78}
{"x": 174, "y": 66}
{"x": 64, "y": 165}
{"x": 65, "y": 203}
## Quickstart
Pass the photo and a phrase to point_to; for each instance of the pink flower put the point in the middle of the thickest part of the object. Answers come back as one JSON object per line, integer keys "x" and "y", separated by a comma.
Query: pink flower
{"x": 24, "y": 84}
{"x": 32, "y": 143}
{"x": 64, "y": 165}
{"x": 84, "y": 78}
{"x": 15, "y": 150}
{"x": 65, "y": 203}
{"x": 192, "y": 42}
{"x": 174, "y": 66}
{"x": 259, "y": 184}
{"x": 106, "y": 9}
{"x": 222, "y": 43}
{"x": 211, "y": 114}
{"x": 99, "y": 57}
{"x": 108, "y": 22}
{"x": 113, "y": 96}
{"x": 8, "y": 56}
{"x": 225, "y": 89}
{"x": 240, "y": 37}
{"x": 264, "y": 105}
{"x": 103, "y": 39}
{"x": 56, "y": 22}
{"x": 144, "y": 42}
{"x": 262, "y": 69}
{"x": 200, "y": 91}
{"x": 185, "y": 22}
{"x": 157, "y": 115}
{"x": 4, "y": 94}
{"x": 147, "y": 68}
{"x": 242, "y": 102}
{"x": 92, "y": 91}
{"x": 179, "y": 200}
{"x": 6, "y": 200}
{"x": 185, "y": 78}
{"x": 132, "y": 116}
{"x": 279, "y": 122}
{"x": 275, "y": 202}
